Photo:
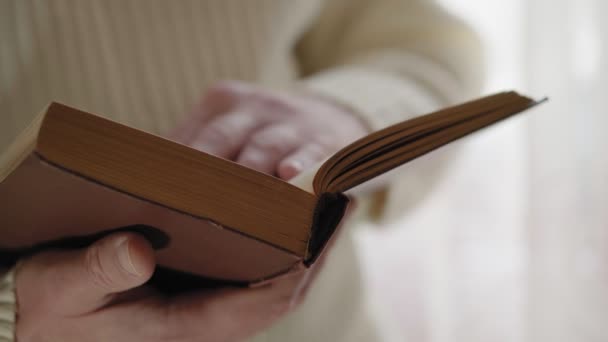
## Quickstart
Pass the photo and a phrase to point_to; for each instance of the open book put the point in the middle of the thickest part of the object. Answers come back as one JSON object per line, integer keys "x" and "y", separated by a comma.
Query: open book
{"x": 72, "y": 177}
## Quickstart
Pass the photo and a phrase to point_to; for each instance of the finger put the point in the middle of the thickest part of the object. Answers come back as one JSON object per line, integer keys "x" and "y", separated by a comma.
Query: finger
{"x": 268, "y": 146}
{"x": 303, "y": 158}
{"x": 231, "y": 314}
{"x": 76, "y": 282}
{"x": 225, "y": 135}
{"x": 185, "y": 132}
{"x": 218, "y": 99}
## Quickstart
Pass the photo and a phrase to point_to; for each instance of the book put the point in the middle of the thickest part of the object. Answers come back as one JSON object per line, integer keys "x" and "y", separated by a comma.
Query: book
{"x": 71, "y": 177}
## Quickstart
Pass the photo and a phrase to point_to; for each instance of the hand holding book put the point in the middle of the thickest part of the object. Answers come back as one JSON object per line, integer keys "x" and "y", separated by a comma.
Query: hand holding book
{"x": 94, "y": 294}
{"x": 114, "y": 268}
{"x": 72, "y": 178}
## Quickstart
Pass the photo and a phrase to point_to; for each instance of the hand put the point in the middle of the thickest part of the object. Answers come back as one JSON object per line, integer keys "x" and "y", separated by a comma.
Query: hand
{"x": 95, "y": 295}
{"x": 276, "y": 133}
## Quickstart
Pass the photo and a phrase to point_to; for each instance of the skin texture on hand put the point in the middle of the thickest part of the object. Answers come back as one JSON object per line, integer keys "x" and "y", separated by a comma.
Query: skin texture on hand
{"x": 95, "y": 294}
{"x": 277, "y": 133}
{"x": 98, "y": 293}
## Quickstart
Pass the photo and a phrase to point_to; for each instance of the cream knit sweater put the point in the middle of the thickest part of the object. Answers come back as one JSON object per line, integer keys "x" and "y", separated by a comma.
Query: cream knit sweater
{"x": 145, "y": 63}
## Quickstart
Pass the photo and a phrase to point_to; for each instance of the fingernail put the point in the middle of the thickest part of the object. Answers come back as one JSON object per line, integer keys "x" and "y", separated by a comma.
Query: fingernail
{"x": 124, "y": 258}
{"x": 296, "y": 165}
{"x": 205, "y": 147}
{"x": 253, "y": 158}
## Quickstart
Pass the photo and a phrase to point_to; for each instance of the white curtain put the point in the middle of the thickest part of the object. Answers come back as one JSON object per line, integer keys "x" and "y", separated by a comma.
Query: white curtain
{"x": 566, "y": 48}
{"x": 512, "y": 245}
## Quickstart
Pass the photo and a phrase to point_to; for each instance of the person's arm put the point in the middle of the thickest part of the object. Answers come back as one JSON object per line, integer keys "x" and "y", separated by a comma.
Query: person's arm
{"x": 390, "y": 59}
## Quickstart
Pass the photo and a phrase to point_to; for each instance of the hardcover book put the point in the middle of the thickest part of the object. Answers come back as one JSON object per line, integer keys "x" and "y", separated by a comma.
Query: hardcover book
{"x": 72, "y": 177}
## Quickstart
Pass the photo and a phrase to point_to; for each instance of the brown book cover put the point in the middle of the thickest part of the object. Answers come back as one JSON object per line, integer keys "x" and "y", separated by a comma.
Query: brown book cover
{"x": 72, "y": 177}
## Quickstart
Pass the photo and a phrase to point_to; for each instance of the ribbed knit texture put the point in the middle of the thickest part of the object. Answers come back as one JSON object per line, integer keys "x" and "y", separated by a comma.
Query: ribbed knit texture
{"x": 144, "y": 63}
{"x": 7, "y": 306}
{"x": 147, "y": 62}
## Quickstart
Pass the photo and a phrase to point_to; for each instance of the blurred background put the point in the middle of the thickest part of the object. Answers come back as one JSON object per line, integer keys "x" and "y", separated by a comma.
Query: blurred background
{"x": 512, "y": 245}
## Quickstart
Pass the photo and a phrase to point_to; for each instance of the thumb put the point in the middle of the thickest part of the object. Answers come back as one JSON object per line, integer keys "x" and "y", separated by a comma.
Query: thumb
{"x": 77, "y": 282}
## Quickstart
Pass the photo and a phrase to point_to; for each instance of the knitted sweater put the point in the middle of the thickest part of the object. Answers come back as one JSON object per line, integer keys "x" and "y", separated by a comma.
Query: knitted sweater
{"x": 146, "y": 63}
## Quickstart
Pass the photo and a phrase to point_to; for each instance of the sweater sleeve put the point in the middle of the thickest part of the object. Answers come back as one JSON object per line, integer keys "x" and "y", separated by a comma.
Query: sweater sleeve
{"x": 7, "y": 306}
{"x": 390, "y": 59}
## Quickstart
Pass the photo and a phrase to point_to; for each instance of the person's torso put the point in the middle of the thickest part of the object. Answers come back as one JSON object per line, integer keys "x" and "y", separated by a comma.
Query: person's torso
{"x": 144, "y": 63}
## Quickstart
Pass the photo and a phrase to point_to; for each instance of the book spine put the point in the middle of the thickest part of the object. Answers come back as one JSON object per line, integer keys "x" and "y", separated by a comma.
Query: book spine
{"x": 328, "y": 213}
